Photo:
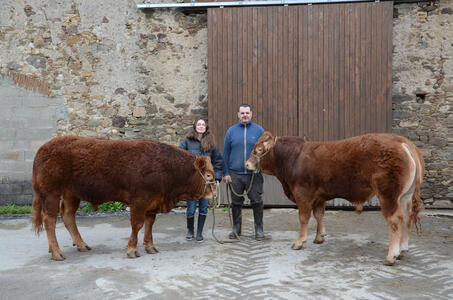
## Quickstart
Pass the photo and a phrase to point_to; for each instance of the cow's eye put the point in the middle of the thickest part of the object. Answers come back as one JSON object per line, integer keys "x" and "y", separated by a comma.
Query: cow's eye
{"x": 259, "y": 150}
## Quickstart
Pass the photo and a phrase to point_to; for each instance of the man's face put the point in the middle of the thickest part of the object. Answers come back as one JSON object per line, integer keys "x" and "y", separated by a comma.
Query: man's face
{"x": 244, "y": 114}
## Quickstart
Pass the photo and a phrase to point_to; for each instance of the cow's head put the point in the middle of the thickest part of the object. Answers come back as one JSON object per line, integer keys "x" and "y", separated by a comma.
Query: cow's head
{"x": 204, "y": 166}
{"x": 260, "y": 151}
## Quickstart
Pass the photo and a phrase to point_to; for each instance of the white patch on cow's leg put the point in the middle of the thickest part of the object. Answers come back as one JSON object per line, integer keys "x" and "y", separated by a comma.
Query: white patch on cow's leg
{"x": 395, "y": 226}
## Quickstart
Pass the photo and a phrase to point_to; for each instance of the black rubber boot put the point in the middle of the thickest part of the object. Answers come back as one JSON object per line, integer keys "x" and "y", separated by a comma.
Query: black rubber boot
{"x": 258, "y": 217}
{"x": 189, "y": 235}
{"x": 201, "y": 219}
{"x": 237, "y": 221}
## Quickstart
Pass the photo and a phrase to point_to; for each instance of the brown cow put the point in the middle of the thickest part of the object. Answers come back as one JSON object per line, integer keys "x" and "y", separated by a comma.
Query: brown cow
{"x": 149, "y": 176}
{"x": 385, "y": 165}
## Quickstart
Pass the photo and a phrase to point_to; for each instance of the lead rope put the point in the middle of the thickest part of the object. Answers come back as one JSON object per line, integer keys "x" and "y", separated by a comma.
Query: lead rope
{"x": 230, "y": 186}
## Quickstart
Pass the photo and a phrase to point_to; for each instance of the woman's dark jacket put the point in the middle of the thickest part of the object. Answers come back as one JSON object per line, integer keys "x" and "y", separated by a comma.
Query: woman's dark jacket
{"x": 194, "y": 146}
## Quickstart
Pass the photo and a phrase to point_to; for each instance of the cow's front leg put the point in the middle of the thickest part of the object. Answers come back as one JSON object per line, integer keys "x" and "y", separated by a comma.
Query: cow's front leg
{"x": 148, "y": 238}
{"x": 318, "y": 213}
{"x": 137, "y": 221}
{"x": 304, "y": 217}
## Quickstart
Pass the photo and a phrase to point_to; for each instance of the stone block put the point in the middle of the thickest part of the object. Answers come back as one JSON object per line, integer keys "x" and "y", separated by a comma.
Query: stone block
{"x": 8, "y": 134}
{"x": 35, "y": 133}
{"x": 16, "y": 199}
{"x": 29, "y": 155}
{"x": 443, "y": 204}
{"x": 12, "y": 155}
{"x": 10, "y": 101}
{"x": 11, "y": 188}
{"x": 37, "y": 101}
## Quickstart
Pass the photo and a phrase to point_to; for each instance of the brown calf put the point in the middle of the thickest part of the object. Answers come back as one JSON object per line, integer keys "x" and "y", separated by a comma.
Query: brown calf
{"x": 356, "y": 169}
{"x": 149, "y": 176}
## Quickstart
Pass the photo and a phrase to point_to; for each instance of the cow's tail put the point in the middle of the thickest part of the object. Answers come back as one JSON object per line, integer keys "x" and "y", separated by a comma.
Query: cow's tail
{"x": 38, "y": 201}
{"x": 417, "y": 204}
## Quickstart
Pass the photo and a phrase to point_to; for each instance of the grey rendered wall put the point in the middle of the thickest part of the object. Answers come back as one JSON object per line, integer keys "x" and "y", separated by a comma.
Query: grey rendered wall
{"x": 27, "y": 120}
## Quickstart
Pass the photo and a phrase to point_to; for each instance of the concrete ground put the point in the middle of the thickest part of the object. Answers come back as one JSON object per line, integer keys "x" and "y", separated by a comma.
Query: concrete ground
{"x": 347, "y": 266}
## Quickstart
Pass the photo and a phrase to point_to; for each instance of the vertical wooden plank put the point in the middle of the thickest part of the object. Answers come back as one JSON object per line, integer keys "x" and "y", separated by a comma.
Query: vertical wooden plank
{"x": 357, "y": 71}
{"x": 306, "y": 78}
{"x": 325, "y": 87}
{"x": 373, "y": 70}
{"x": 339, "y": 71}
{"x": 245, "y": 65}
{"x": 311, "y": 71}
{"x": 249, "y": 55}
{"x": 234, "y": 59}
{"x": 265, "y": 62}
{"x": 292, "y": 76}
{"x": 368, "y": 60}
{"x": 259, "y": 97}
{"x": 389, "y": 26}
{"x": 274, "y": 67}
{"x": 239, "y": 37}
{"x": 380, "y": 103}
{"x": 347, "y": 70}
{"x": 284, "y": 67}
{"x": 210, "y": 81}
{"x": 255, "y": 61}
{"x": 301, "y": 61}
{"x": 229, "y": 65}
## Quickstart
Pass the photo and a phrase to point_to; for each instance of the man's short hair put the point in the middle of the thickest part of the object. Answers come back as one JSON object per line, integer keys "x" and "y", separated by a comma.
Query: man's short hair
{"x": 245, "y": 105}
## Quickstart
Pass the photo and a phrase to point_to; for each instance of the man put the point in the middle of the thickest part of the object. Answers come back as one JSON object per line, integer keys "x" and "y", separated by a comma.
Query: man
{"x": 239, "y": 142}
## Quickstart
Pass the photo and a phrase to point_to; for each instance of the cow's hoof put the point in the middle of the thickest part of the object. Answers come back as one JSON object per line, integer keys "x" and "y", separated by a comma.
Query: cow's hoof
{"x": 58, "y": 257}
{"x": 133, "y": 254}
{"x": 151, "y": 250}
{"x": 402, "y": 253}
{"x": 296, "y": 247}
{"x": 388, "y": 262}
{"x": 83, "y": 248}
{"x": 319, "y": 241}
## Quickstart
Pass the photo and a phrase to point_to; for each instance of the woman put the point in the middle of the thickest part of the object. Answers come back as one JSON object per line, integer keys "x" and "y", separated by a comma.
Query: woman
{"x": 200, "y": 141}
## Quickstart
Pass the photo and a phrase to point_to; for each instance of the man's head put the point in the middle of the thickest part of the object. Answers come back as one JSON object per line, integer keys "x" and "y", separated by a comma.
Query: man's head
{"x": 245, "y": 113}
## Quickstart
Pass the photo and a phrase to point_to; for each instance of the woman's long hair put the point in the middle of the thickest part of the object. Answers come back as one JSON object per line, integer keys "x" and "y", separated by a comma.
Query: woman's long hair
{"x": 207, "y": 139}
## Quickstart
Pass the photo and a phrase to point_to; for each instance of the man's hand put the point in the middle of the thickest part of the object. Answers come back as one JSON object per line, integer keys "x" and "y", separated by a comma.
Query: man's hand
{"x": 227, "y": 179}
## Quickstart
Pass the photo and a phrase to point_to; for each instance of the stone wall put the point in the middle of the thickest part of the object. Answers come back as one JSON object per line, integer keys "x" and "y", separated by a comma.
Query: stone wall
{"x": 423, "y": 91}
{"x": 121, "y": 72}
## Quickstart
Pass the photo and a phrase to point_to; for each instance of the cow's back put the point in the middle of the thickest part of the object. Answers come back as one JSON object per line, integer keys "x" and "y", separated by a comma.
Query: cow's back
{"x": 101, "y": 170}
{"x": 345, "y": 168}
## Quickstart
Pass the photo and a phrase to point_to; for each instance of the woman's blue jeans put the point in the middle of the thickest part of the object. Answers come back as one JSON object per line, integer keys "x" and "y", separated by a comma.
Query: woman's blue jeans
{"x": 192, "y": 207}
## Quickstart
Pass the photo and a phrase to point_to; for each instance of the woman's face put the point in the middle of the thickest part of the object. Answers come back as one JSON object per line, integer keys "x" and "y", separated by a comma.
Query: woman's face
{"x": 200, "y": 127}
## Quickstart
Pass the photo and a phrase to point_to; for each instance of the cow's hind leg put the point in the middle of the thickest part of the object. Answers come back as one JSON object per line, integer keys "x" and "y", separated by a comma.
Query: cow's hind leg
{"x": 318, "y": 213}
{"x": 51, "y": 206}
{"x": 68, "y": 209}
{"x": 148, "y": 238}
{"x": 137, "y": 222}
{"x": 406, "y": 203}
{"x": 395, "y": 223}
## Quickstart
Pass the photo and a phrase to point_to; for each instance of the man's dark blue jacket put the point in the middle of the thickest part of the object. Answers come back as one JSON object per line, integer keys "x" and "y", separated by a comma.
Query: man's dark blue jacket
{"x": 239, "y": 142}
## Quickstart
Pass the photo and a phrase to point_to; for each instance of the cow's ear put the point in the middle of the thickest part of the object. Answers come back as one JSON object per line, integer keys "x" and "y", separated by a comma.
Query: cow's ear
{"x": 200, "y": 163}
{"x": 268, "y": 141}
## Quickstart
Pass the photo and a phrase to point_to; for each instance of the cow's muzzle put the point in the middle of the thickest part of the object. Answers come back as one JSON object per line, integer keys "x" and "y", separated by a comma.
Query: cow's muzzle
{"x": 211, "y": 184}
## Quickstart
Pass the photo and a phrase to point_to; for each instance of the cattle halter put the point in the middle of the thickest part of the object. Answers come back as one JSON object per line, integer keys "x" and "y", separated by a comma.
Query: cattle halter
{"x": 259, "y": 157}
{"x": 206, "y": 183}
